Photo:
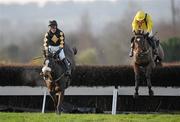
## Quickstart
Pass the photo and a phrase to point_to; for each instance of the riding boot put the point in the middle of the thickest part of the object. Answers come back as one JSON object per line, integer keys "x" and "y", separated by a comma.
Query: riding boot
{"x": 155, "y": 52}
{"x": 67, "y": 67}
{"x": 152, "y": 43}
{"x": 131, "y": 50}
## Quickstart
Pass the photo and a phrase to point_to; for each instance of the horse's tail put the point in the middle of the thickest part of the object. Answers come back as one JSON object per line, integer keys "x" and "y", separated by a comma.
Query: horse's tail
{"x": 74, "y": 50}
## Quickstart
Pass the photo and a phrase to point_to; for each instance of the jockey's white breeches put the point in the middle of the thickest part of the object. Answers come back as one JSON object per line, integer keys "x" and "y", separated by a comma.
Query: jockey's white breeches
{"x": 54, "y": 49}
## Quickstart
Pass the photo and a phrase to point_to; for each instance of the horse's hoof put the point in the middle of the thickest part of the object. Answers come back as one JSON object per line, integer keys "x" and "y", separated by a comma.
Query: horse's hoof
{"x": 136, "y": 95}
{"x": 151, "y": 93}
{"x": 52, "y": 93}
{"x": 58, "y": 112}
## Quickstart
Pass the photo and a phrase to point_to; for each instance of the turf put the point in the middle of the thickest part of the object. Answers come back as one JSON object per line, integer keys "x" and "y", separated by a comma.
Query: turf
{"x": 52, "y": 117}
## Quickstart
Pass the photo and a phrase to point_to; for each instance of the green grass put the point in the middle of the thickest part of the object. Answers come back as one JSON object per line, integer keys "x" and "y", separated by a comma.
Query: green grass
{"x": 52, "y": 117}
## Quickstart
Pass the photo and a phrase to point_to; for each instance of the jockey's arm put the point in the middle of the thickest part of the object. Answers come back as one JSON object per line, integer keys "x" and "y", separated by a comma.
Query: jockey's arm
{"x": 62, "y": 38}
{"x": 134, "y": 25}
{"x": 149, "y": 25}
{"x": 45, "y": 45}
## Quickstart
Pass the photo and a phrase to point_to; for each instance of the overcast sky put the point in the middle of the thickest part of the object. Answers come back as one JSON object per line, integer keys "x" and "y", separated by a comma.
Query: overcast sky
{"x": 69, "y": 13}
{"x": 43, "y": 2}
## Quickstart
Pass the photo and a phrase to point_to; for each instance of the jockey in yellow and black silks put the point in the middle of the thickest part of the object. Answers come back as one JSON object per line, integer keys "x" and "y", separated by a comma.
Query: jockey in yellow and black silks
{"x": 143, "y": 21}
{"x": 54, "y": 41}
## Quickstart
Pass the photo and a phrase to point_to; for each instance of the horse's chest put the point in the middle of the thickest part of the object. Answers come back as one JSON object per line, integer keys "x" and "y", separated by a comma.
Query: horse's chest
{"x": 142, "y": 58}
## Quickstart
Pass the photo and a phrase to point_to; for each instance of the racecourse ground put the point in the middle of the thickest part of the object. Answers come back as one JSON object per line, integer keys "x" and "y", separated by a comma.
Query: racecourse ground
{"x": 52, "y": 117}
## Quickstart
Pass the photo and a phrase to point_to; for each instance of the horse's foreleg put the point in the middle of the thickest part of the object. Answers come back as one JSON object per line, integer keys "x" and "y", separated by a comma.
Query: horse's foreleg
{"x": 148, "y": 78}
{"x": 60, "y": 97}
{"x": 151, "y": 93}
{"x": 52, "y": 93}
{"x": 54, "y": 98}
{"x": 137, "y": 78}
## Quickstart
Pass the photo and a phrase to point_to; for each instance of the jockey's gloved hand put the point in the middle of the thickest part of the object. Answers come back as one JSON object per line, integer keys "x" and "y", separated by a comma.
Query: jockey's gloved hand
{"x": 56, "y": 55}
{"x": 147, "y": 34}
{"x": 49, "y": 55}
{"x": 45, "y": 53}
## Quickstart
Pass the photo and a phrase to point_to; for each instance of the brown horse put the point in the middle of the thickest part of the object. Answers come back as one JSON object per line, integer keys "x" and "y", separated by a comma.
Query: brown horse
{"x": 55, "y": 78}
{"x": 144, "y": 61}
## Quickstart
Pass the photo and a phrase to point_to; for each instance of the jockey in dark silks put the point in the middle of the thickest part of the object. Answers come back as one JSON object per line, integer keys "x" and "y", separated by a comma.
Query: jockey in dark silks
{"x": 54, "y": 41}
{"x": 143, "y": 22}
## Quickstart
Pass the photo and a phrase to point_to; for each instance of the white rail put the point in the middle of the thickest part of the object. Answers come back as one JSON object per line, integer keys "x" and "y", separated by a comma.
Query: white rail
{"x": 91, "y": 91}
{"x": 88, "y": 91}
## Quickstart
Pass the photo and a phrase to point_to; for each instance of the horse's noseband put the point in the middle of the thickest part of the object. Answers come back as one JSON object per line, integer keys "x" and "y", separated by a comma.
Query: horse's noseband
{"x": 142, "y": 53}
{"x": 138, "y": 39}
{"x": 46, "y": 69}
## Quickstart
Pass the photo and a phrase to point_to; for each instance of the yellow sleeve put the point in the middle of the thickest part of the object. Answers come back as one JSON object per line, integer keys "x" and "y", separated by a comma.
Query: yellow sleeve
{"x": 149, "y": 23}
{"x": 62, "y": 38}
{"x": 134, "y": 25}
{"x": 45, "y": 45}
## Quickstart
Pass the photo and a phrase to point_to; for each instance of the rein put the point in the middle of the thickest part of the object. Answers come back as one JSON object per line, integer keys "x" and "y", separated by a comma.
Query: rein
{"x": 56, "y": 60}
{"x": 59, "y": 78}
{"x": 145, "y": 52}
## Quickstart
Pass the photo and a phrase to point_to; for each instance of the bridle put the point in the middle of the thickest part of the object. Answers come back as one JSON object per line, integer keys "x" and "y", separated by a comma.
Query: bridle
{"x": 53, "y": 56}
{"x": 141, "y": 38}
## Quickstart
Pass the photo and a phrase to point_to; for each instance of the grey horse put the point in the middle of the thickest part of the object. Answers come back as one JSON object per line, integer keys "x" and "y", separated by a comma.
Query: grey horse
{"x": 144, "y": 61}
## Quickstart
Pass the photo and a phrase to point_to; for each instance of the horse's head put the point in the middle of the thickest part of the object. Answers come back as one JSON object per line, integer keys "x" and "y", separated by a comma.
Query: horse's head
{"x": 54, "y": 68}
{"x": 141, "y": 43}
{"x": 48, "y": 67}
{"x": 55, "y": 65}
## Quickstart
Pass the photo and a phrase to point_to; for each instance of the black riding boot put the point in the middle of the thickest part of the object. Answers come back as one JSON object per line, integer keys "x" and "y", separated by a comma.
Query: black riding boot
{"x": 67, "y": 67}
{"x": 152, "y": 43}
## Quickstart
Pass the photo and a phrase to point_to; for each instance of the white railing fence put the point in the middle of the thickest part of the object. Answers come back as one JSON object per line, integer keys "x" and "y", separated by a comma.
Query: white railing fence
{"x": 88, "y": 91}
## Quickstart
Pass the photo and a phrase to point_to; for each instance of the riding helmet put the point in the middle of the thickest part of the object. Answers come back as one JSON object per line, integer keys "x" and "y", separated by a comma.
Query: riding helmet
{"x": 52, "y": 23}
{"x": 140, "y": 15}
